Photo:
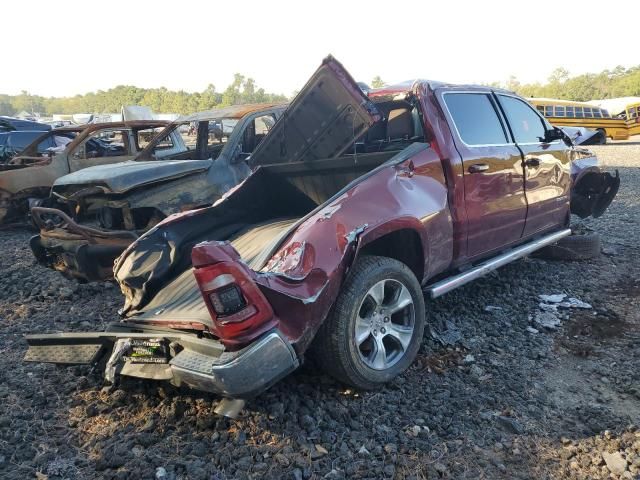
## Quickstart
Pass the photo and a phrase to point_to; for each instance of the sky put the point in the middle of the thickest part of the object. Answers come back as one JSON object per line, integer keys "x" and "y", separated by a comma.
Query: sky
{"x": 73, "y": 47}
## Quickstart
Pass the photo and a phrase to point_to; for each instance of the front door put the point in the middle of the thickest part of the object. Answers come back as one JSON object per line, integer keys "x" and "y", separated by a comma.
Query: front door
{"x": 493, "y": 177}
{"x": 546, "y": 165}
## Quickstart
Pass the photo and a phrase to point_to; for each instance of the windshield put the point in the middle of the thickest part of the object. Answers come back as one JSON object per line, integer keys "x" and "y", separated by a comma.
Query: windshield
{"x": 190, "y": 140}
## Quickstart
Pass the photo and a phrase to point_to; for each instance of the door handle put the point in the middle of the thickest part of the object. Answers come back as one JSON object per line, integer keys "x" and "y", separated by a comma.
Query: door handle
{"x": 532, "y": 162}
{"x": 478, "y": 167}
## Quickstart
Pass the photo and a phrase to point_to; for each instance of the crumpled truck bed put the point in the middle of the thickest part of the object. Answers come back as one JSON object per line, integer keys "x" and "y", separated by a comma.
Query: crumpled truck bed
{"x": 181, "y": 298}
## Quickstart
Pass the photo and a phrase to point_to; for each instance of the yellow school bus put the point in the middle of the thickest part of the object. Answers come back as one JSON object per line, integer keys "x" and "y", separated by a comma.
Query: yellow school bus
{"x": 579, "y": 114}
{"x": 632, "y": 118}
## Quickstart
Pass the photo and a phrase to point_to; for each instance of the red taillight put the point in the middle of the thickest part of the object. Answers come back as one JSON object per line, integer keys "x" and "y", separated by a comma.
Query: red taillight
{"x": 239, "y": 310}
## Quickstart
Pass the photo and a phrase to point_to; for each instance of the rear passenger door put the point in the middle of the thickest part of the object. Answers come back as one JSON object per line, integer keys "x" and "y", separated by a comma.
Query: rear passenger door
{"x": 493, "y": 177}
{"x": 546, "y": 166}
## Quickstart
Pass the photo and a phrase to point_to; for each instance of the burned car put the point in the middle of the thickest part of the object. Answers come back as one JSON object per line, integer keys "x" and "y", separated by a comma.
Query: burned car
{"x": 11, "y": 124}
{"x": 13, "y": 142}
{"x": 27, "y": 179}
{"x": 97, "y": 212}
{"x": 357, "y": 206}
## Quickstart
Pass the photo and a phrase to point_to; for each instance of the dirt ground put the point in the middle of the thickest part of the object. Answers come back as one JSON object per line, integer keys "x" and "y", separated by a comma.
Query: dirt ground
{"x": 508, "y": 399}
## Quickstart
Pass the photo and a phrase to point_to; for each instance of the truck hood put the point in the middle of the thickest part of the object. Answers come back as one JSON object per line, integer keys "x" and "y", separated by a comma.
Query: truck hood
{"x": 121, "y": 177}
{"x": 328, "y": 115}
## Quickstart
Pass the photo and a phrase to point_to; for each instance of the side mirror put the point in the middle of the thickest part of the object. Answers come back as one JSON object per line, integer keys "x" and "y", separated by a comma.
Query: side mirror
{"x": 553, "y": 134}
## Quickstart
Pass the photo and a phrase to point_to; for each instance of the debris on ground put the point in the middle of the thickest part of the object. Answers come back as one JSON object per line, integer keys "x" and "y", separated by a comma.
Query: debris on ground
{"x": 449, "y": 336}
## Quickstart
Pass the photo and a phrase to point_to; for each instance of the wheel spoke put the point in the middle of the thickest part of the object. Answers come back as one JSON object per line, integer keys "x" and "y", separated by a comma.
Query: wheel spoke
{"x": 402, "y": 301}
{"x": 377, "y": 293}
{"x": 379, "y": 360}
{"x": 362, "y": 330}
{"x": 401, "y": 333}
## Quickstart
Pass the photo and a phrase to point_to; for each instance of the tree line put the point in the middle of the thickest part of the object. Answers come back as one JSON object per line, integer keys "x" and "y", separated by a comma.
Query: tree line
{"x": 161, "y": 100}
{"x": 619, "y": 82}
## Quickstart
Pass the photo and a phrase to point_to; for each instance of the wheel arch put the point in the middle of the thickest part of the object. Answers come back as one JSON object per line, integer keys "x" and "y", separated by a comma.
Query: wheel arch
{"x": 405, "y": 243}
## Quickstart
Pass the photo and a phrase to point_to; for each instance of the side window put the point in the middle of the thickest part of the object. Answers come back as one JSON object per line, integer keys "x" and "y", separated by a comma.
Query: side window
{"x": 475, "y": 118}
{"x": 104, "y": 143}
{"x": 526, "y": 125}
{"x": 540, "y": 108}
{"x": 548, "y": 111}
{"x": 263, "y": 124}
{"x": 559, "y": 111}
{"x": 588, "y": 112}
{"x": 570, "y": 112}
{"x": 56, "y": 143}
{"x": 597, "y": 113}
{"x": 144, "y": 137}
{"x": 579, "y": 112}
{"x": 605, "y": 113}
{"x": 255, "y": 132}
{"x": 220, "y": 130}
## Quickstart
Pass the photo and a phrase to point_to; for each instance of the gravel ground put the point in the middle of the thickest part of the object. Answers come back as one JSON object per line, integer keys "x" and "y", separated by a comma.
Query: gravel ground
{"x": 509, "y": 399}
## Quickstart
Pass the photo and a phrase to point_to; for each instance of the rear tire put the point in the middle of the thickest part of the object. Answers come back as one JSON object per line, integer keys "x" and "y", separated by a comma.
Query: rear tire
{"x": 375, "y": 327}
{"x": 573, "y": 247}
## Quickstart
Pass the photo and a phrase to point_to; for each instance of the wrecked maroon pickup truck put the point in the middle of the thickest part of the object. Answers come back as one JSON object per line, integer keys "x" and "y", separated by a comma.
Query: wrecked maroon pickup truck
{"x": 327, "y": 247}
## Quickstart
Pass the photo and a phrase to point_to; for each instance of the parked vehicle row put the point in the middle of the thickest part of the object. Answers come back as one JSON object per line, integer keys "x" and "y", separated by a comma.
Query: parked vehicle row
{"x": 333, "y": 221}
{"x": 27, "y": 179}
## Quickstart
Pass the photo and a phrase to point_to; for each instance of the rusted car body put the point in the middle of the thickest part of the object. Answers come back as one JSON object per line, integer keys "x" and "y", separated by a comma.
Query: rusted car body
{"x": 98, "y": 212}
{"x": 327, "y": 247}
{"x": 27, "y": 178}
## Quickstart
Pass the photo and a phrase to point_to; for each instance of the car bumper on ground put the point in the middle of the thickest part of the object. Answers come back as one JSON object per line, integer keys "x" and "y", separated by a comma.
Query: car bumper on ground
{"x": 169, "y": 355}
{"x": 77, "y": 251}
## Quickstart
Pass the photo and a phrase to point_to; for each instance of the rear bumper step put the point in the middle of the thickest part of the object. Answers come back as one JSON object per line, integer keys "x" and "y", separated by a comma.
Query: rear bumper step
{"x": 202, "y": 364}
{"x": 444, "y": 286}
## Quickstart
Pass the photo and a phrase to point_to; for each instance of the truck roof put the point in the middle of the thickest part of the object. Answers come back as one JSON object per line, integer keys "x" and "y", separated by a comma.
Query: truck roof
{"x": 407, "y": 86}
{"x": 233, "y": 111}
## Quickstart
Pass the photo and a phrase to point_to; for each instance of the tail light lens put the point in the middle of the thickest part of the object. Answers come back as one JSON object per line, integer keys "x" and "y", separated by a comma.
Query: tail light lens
{"x": 227, "y": 300}
{"x": 239, "y": 310}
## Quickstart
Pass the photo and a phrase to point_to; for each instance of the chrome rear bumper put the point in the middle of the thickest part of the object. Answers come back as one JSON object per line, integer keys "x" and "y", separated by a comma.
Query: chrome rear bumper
{"x": 202, "y": 364}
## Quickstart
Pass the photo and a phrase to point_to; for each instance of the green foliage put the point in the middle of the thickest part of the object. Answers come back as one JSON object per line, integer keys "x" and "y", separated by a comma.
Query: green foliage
{"x": 619, "y": 82}
{"x": 377, "y": 82}
{"x": 160, "y": 100}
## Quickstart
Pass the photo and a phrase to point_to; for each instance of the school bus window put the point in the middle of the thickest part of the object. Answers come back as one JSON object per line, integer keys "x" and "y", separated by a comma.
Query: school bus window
{"x": 579, "y": 112}
{"x": 597, "y": 113}
{"x": 540, "y": 108}
{"x": 548, "y": 111}
{"x": 570, "y": 112}
{"x": 588, "y": 112}
{"x": 632, "y": 112}
{"x": 559, "y": 111}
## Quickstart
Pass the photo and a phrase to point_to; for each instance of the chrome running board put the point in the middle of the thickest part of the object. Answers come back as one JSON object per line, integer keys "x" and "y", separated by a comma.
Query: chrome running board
{"x": 437, "y": 289}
